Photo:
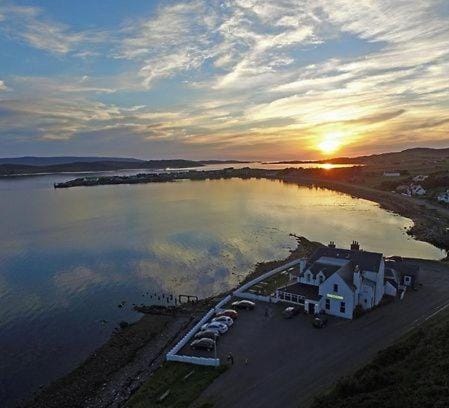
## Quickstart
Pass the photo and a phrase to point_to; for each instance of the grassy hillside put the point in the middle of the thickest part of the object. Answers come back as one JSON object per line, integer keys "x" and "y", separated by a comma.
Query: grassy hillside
{"x": 412, "y": 373}
{"x": 181, "y": 383}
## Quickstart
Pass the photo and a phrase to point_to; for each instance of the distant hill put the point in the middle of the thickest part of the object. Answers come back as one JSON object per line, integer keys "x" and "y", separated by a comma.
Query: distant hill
{"x": 102, "y": 165}
{"x": 418, "y": 153}
{"x": 50, "y": 161}
{"x": 223, "y": 161}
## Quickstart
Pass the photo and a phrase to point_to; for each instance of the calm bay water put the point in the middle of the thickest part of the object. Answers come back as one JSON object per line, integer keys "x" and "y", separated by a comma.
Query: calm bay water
{"x": 69, "y": 257}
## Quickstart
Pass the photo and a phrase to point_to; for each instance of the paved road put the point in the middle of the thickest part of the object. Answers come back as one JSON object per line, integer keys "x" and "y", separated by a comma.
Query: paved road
{"x": 289, "y": 361}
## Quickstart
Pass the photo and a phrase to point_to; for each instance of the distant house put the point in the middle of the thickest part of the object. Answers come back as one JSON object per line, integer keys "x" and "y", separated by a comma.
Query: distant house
{"x": 335, "y": 281}
{"x": 443, "y": 197}
{"x": 417, "y": 190}
{"x": 411, "y": 190}
{"x": 404, "y": 274}
{"x": 419, "y": 178}
{"x": 392, "y": 174}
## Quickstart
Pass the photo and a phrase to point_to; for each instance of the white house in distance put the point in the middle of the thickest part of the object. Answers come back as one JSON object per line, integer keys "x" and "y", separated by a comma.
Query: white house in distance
{"x": 443, "y": 197}
{"x": 392, "y": 174}
{"x": 417, "y": 190}
{"x": 336, "y": 280}
{"x": 420, "y": 178}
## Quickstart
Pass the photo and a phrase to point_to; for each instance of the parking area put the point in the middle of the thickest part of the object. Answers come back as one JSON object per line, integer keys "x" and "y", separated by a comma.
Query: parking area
{"x": 255, "y": 328}
{"x": 284, "y": 362}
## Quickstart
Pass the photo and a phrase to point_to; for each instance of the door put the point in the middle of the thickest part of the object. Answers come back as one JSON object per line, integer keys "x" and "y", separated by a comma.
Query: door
{"x": 311, "y": 308}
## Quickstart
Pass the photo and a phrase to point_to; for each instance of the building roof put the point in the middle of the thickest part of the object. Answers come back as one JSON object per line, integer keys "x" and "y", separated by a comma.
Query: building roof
{"x": 391, "y": 281}
{"x": 367, "y": 261}
{"x": 404, "y": 268}
{"x": 308, "y": 291}
{"x": 326, "y": 269}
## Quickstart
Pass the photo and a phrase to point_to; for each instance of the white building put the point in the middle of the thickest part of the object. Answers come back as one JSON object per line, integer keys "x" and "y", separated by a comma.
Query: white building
{"x": 419, "y": 178}
{"x": 336, "y": 280}
{"x": 392, "y": 174}
{"x": 417, "y": 190}
{"x": 444, "y": 197}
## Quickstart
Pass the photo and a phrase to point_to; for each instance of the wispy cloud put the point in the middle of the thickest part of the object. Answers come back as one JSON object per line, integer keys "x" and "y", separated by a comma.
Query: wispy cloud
{"x": 240, "y": 76}
{"x": 31, "y": 26}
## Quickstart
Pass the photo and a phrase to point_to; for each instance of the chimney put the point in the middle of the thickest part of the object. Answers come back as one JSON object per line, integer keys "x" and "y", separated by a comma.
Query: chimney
{"x": 331, "y": 244}
{"x": 355, "y": 246}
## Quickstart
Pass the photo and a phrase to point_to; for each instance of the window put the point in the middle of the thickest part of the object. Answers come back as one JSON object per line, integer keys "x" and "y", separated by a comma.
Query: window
{"x": 309, "y": 277}
{"x": 321, "y": 279}
{"x": 342, "y": 307}
{"x": 328, "y": 304}
{"x": 335, "y": 288}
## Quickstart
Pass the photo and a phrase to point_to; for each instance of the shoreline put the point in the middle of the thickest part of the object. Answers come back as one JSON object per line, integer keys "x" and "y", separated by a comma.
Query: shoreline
{"x": 431, "y": 221}
{"x": 116, "y": 370}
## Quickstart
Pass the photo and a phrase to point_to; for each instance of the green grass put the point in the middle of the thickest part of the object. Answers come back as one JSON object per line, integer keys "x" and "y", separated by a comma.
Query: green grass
{"x": 185, "y": 382}
{"x": 412, "y": 373}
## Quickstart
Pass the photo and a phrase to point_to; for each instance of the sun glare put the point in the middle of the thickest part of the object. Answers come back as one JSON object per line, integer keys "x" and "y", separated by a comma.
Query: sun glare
{"x": 331, "y": 143}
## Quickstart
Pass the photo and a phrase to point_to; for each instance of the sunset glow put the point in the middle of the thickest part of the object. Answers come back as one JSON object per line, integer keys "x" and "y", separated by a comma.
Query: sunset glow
{"x": 244, "y": 79}
{"x": 331, "y": 143}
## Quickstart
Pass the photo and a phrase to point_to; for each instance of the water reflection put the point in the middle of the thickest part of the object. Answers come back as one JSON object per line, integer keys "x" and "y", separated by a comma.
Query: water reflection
{"x": 69, "y": 257}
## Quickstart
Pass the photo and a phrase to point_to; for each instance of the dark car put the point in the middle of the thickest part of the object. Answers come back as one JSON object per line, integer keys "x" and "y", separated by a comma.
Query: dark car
{"x": 290, "y": 311}
{"x": 203, "y": 344}
{"x": 207, "y": 334}
{"x": 319, "y": 322}
{"x": 244, "y": 304}
{"x": 228, "y": 312}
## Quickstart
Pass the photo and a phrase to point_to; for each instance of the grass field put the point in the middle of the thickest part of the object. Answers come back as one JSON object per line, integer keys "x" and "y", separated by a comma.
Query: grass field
{"x": 414, "y": 372}
{"x": 184, "y": 382}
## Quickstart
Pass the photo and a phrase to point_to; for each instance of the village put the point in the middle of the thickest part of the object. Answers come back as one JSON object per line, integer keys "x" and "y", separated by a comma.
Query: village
{"x": 433, "y": 187}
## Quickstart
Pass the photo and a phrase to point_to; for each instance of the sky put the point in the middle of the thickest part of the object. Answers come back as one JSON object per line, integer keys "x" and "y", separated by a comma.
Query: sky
{"x": 223, "y": 79}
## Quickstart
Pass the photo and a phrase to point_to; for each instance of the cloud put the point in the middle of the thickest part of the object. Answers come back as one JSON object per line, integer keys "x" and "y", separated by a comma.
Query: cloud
{"x": 31, "y": 26}
{"x": 3, "y": 86}
{"x": 238, "y": 77}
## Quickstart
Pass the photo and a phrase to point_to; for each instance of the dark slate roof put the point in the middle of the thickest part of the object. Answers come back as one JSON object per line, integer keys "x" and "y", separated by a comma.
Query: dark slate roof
{"x": 327, "y": 270}
{"x": 392, "y": 281}
{"x": 367, "y": 261}
{"x": 308, "y": 291}
{"x": 403, "y": 267}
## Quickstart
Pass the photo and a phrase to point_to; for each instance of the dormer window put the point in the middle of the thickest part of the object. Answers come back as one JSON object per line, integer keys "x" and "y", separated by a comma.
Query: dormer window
{"x": 321, "y": 278}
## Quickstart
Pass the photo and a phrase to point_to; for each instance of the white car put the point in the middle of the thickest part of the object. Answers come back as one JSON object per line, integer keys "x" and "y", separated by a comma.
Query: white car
{"x": 224, "y": 319}
{"x": 221, "y": 327}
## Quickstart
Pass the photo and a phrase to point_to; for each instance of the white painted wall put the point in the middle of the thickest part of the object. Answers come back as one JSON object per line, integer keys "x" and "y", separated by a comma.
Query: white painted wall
{"x": 327, "y": 287}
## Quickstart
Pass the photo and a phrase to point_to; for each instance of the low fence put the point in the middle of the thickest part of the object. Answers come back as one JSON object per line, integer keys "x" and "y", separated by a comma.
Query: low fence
{"x": 172, "y": 355}
{"x": 240, "y": 292}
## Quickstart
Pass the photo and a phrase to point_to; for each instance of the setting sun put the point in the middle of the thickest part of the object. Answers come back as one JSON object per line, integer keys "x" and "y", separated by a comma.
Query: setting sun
{"x": 331, "y": 143}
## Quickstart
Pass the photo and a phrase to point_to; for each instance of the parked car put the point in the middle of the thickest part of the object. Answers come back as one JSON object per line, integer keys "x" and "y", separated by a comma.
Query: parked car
{"x": 207, "y": 334}
{"x": 290, "y": 311}
{"x": 244, "y": 304}
{"x": 221, "y": 327}
{"x": 319, "y": 322}
{"x": 228, "y": 312}
{"x": 203, "y": 344}
{"x": 224, "y": 319}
